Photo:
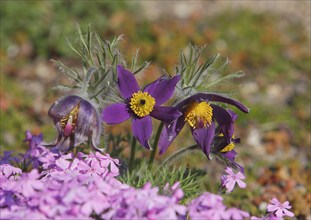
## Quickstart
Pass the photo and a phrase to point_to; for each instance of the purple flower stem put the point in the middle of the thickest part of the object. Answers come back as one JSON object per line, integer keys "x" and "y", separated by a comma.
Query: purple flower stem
{"x": 132, "y": 156}
{"x": 155, "y": 145}
{"x": 179, "y": 154}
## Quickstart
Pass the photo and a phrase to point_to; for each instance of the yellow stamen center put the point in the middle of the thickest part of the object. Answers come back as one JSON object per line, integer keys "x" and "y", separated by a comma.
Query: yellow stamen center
{"x": 71, "y": 117}
{"x": 142, "y": 103}
{"x": 199, "y": 115}
{"x": 229, "y": 147}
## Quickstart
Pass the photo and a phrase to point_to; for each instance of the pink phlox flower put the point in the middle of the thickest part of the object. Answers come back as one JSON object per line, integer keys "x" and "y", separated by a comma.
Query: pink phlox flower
{"x": 170, "y": 211}
{"x": 33, "y": 140}
{"x": 20, "y": 213}
{"x": 96, "y": 202}
{"x": 91, "y": 170}
{"x": 77, "y": 194}
{"x": 7, "y": 198}
{"x": 207, "y": 206}
{"x": 237, "y": 214}
{"x": 64, "y": 169}
{"x": 65, "y": 165}
{"x": 175, "y": 192}
{"x": 8, "y": 170}
{"x": 7, "y": 158}
{"x": 47, "y": 159}
{"x": 109, "y": 162}
{"x": 29, "y": 183}
{"x": 231, "y": 179}
{"x": 97, "y": 184}
{"x": 267, "y": 217}
{"x": 279, "y": 209}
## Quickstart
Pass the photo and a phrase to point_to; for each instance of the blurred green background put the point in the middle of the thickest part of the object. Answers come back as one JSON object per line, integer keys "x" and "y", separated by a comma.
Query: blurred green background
{"x": 268, "y": 40}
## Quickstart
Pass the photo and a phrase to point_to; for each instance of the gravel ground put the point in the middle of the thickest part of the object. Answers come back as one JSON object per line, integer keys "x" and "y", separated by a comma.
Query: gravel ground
{"x": 299, "y": 10}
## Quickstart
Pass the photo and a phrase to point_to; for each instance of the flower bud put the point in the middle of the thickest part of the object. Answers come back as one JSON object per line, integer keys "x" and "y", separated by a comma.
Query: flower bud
{"x": 77, "y": 121}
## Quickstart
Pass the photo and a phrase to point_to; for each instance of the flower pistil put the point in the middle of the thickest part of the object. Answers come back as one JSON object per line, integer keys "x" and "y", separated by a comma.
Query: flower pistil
{"x": 69, "y": 122}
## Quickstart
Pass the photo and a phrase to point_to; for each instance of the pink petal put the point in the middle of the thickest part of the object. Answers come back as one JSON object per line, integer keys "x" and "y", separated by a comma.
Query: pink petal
{"x": 241, "y": 184}
{"x": 279, "y": 213}
{"x": 62, "y": 163}
{"x": 272, "y": 208}
{"x": 288, "y": 213}
{"x": 230, "y": 185}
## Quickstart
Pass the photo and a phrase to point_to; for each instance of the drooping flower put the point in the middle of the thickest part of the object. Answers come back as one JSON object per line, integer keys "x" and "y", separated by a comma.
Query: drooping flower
{"x": 279, "y": 209}
{"x": 141, "y": 105}
{"x": 224, "y": 150}
{"x": 77, "y": 120}
{"x": 200, "y": 114}
{"x": 228, "y": 181}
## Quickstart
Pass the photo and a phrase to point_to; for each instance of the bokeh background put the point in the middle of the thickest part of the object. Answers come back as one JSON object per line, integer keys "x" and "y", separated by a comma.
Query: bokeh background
{"x": 268, "y": 40}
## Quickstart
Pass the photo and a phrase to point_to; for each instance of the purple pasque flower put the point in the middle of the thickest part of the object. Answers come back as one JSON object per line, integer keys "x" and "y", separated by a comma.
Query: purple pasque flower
{"x": 280, "y": 209}
{"x": 224, "y": 150}
{"x": 200, "y": 114}
{"x": 228, "y": 181}
{"x": 141, "y": 105}
{"x": 77, "y": 120}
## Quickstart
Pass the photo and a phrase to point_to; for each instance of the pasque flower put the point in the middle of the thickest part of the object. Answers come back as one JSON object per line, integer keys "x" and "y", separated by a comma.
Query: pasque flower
{"x": 141, "y": 105}
{"x": 76, "y": 120}
{"x": 199, "y": 112}
{"x": 222, "y": 148}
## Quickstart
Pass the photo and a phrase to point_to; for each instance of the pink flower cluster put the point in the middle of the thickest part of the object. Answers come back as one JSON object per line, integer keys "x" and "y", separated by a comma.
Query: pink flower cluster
{"x": 85, "y": 187}
{"x": 210, "y": 206}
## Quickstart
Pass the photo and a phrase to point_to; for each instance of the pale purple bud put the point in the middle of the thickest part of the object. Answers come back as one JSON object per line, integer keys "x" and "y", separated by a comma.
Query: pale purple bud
{"x": 77, "y": 121}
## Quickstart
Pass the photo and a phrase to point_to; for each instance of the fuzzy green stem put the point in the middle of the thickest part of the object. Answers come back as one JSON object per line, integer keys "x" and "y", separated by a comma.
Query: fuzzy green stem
{"x": 179, "y": 154}
{"x": 132, "y": 156}
{"x": 155, "y": 145}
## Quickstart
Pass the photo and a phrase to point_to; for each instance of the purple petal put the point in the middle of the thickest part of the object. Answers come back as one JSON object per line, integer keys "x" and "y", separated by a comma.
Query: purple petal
{"x": 221, "y": 115}
{"x": 162, "y": 89}
{"x": 234, "y": 116}
{"x": 169, "y": 133}
{"x": 215, "y": 98}
{"x": 126, "y": 82}
{"x": 142, "y": 130}
{"x": 62, "y": 107}
{"x": 230, "y": 155}
{"x": 165, "y": 113}
{"x": 115, "y": 113}
{"x": 225, "y": 121}
{"x": 204, "y": 137}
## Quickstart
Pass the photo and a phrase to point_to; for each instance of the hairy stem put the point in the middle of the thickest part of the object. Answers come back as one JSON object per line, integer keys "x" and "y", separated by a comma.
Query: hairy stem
{"x": 155, "y": 145}
{"x": 132, "y": 156}
{"x": 179, "y": 154}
